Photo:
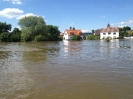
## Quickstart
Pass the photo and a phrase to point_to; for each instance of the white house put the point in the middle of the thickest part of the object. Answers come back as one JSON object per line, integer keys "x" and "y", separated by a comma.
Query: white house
{"x": 112, "y": 32}
{"x": 70, "y": 33}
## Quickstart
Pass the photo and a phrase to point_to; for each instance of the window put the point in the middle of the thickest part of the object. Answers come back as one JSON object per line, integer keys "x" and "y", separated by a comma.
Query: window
{"x": 109, "y": 33}
{"x": 114, "y": 33}
{"x": 104, "y": 33}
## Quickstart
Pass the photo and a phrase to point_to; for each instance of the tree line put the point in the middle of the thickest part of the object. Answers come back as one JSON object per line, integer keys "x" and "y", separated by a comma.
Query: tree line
{"x": 33, "y": 28}
{"x": 123, "y": 32}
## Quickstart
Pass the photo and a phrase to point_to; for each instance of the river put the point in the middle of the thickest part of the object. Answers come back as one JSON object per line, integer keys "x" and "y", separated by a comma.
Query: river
{"x": 67, "y": 70}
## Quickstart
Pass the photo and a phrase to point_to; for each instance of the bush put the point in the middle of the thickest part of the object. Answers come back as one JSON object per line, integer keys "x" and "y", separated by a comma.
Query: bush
{"x": 107, "y": 39}
{"x": 15, "y": 37}
{"x": 39, "y": 38}
{"x": 60, "y": 38}
{"x": 4, "y": 37}
{"x": 76, "y": 38}
{"x": 93, "y": 37}
{"x": 120, "y": 37}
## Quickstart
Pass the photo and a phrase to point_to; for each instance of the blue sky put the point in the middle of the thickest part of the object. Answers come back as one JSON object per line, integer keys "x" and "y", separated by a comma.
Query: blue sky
{"x": 81, "y": 14}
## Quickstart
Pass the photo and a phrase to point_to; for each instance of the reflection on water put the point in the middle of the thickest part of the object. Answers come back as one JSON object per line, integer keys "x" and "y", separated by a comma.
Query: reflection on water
{"x": 67, "y": 70}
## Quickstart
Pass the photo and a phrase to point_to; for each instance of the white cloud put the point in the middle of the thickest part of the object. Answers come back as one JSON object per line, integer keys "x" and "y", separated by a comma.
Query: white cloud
{"x": 128, "y": 22}
{"x": 11, "y": 12}
{"x": 25, "y": 15}
{"x": 14, "y": 13}
{"x": 14, "y": 1}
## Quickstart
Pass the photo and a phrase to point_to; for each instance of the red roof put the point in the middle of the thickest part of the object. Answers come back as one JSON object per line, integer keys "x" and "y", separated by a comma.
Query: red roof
{"x": 74, "y": 32}
{"x": 111, "y": 29}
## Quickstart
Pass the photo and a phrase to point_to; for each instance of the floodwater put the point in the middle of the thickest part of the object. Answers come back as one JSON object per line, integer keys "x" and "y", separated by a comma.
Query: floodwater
{"x": 67, "y": 70}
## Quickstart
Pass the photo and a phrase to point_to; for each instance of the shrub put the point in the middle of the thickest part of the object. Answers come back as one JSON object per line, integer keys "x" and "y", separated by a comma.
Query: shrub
{"x": 107, "y": 39}
{"x": 93, "y": 37}
{"x": 4, "y": 37}
{"x": 39, "y": 38}
{"x": 76, "y": 38}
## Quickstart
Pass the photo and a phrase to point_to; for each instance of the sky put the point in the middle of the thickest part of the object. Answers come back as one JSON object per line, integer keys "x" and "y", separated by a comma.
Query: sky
{"x": 81, "y": 14}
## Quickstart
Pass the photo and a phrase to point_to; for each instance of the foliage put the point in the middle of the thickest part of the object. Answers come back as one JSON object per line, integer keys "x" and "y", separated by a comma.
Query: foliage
{"x": 39, "y": 38}
{"x": 60, "y": 38}
{"x": 15, "y": 35}
{"x": 131, "y": 33}
{"x": 52, "y": 32}
{"x": 35, "y": 29}
{"x": 4, "y": 37}
{"x": 76, "y": 37}
{"x": 31, "y": 26}
{"x": 122, "y": 31}
{"x": 93, "y": 31}
{"x": 25, "y": 35}
{"x": 4, "y": 27}
{"x": 107, "y": 39}
{"x": 93, "y": 37}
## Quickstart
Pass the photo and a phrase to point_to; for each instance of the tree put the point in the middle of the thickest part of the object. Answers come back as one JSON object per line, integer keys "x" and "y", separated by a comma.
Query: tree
{"x": 32, "y": 26}
{"x": 92, "y": 31}
{"x": 53, "y": 32}
{"x": 123, "y": 31}
{"x": 4, "y": 37}
{"x": 15, "y": 35}
{"x": 5, "y": 27}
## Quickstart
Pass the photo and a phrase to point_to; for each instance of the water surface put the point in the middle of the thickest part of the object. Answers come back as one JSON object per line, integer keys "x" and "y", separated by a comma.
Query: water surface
{"x": 67, "y": 70}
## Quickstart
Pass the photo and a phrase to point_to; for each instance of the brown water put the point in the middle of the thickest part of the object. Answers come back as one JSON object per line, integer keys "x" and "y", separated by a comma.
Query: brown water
{"x": 67, "y": 70}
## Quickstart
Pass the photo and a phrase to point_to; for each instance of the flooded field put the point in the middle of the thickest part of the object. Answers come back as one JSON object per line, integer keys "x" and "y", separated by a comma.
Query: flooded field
{"x": 67, "y": 70}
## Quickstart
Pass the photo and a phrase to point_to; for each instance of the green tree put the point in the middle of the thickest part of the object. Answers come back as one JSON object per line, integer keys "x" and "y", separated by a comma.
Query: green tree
{"x": 52, "y": 32}
{"x": 4, "y": 37}
{"x": 32, "y": 26}
{"x": 122, "y": 31}
{"x": 5, "y": 27}
{"x": 15, "y": 35}
{"x": 92, "y": 31}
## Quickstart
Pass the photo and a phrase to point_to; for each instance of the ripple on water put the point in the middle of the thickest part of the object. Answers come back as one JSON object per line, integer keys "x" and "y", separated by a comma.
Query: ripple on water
{"x": 75, "y": 70}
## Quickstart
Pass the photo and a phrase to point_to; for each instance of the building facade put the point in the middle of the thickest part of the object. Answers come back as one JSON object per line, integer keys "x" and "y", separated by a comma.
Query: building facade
{"x": 112, "y": 32}
{"x": 72, "y": 32}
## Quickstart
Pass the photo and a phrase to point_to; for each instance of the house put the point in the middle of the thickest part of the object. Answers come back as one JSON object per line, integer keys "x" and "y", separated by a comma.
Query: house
{"x": 97, "y": 32}
{"x": 72, "y": 32}
{"x": 112, "y": 32}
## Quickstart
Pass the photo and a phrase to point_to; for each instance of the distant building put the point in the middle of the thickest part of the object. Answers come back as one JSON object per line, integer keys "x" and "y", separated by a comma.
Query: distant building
{"x": 112, "y": 32}
{"x": 71, "y": 32}
{"x": 97, "y": 32}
